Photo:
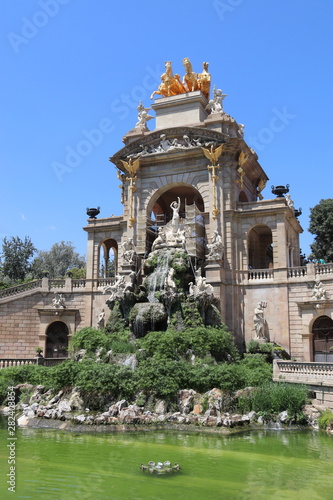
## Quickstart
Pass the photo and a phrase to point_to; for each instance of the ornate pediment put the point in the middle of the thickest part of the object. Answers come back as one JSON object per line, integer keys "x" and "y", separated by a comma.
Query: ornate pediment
{"x": 171, "y": 140}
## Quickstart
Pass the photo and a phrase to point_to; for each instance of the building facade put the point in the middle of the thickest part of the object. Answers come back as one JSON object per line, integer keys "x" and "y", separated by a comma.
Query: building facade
{"x": 246, "y": 246}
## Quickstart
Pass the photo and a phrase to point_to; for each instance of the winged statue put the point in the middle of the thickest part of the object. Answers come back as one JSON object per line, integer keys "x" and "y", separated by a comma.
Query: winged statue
{"x": 213, "y": 153}
{"x": 243, "y": 157}
{"x": 132, "y": 166}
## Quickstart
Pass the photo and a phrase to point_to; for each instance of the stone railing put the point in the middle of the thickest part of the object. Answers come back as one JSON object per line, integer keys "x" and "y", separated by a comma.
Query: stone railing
{"x": 260, "y": 274}
{"x": 102, "y": 282}
{"x": 10, "y": 362}
{"x": 303, "y": 372}
{"x": 7, "y": 363}
{"x": 297, "y": 272}
{"x": 324, "y": 269}
{"x": 57, "y": 283}
{"x": 14, "y": 290}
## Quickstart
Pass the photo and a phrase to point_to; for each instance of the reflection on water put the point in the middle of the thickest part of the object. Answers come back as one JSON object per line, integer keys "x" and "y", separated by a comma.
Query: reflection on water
{"x": 255, "y": 465}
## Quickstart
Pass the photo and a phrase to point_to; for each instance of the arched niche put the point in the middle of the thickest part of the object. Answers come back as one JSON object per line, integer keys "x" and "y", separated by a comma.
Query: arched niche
{"x": 159, "y": 205}
{"x": 108, "y": 258}
{"x": 159, "y": 213}
{"x": 322, "y": 330}
{"x": 260, "y": 248}
{"x": 242, "y": 197}
{"x": 57, "y": 340}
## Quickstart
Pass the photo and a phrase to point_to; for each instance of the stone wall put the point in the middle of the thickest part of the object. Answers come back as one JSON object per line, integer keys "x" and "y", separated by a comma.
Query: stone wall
{"x": 24, "y": 320}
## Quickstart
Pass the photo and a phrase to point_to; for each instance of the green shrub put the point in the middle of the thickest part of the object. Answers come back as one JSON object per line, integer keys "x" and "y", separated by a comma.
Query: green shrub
{"x": 162, "y": 377}
{"x": 275, "y": 397}
{"x": 325, "y": 419}
{"x": 254, "y": 370}
{"x": 88, "y": 338}
{"x": 218, "y": 342}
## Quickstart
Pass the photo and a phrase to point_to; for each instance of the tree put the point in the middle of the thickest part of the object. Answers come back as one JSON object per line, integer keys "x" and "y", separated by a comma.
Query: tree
{"x": 321, "y": 224}
{"x": 17, "y": 254}
{"x": 57, "y": 261}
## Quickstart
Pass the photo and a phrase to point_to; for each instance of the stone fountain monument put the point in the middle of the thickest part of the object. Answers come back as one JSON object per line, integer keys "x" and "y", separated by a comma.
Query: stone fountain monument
{"x": 167, "y": 290}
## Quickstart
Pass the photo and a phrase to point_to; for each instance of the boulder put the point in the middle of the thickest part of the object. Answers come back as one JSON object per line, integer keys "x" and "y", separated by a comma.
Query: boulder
{"x": 160, "y": 407}
{"x": 75, "y": 400}
{"x": 185, "y": 400}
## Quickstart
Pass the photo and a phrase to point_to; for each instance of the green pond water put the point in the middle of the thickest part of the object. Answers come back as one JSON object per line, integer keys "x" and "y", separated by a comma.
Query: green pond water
{"x": 254, "y": 465}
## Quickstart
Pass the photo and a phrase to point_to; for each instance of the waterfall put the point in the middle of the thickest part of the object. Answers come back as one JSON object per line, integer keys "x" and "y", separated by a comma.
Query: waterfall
{"x": 157, "y": 278}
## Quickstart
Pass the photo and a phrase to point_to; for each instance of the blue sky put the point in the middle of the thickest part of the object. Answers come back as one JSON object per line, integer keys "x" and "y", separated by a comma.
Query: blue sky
{"x": 71, "y": 68}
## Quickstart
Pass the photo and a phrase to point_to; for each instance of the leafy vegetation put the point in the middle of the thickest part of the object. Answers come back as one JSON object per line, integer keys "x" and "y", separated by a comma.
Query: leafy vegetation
{"x": 325, "y": 420}
{"x": 61, "y": 258}
{"x": 274, "y": 397}
{"x": 321, "y": 225}
{"x": 192, "y": 341}
{"x": 16, "y": 254}
{"x": 196, "y": 358}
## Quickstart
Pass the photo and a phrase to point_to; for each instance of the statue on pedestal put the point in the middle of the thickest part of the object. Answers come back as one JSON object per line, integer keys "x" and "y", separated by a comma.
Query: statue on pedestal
{"x": 215, "y": 248}
{"x": 259, "y": 321}
{"x": 128, "y": 251}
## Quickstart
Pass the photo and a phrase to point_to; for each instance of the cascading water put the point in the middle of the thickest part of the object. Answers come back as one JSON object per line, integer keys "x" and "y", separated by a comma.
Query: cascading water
{"x": 156, "y": 280}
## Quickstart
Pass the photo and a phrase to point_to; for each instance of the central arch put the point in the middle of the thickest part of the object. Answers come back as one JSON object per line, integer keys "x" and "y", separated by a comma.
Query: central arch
{"x": 192, "y": 207}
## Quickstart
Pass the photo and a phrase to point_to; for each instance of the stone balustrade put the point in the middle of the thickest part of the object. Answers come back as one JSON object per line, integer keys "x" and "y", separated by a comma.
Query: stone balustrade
{"x": 14, "y": 290}
{"x": 303, "y": 372}
{"x": 7, "y": 363}
{"x": 260, "y": 274}
{"x": 297, "y": 272}
{"x": 13, "y": 362}
{"x": 302, "y": 273}
{"x": 322, "y": 269}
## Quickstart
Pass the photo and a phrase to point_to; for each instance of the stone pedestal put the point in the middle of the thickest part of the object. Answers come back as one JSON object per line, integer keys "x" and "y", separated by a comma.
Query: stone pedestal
{"x": 190, "y": 106}
{"x": 215, "y": 277}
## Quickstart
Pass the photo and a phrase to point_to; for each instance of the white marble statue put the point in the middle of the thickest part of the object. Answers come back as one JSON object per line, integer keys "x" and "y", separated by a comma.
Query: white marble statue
{"x": 58, "y": 301}
{"x": 290, "y": 202}
{"x": 175, "y": 206}
{"x": 216, "y": 105}
{"x": 241, "y": 129}
{"x": 160, "y": 241}
{"x": 200, "y": 286}
{"x": 259, "y": 321}
{"x": 319, "y": 292}
{"x": 117, "y": 289}
{"x": 143, "y": 116}
{"x": 100, "y": 320}
{"x": 215, "y": 248}
{"x": 128, "y": 251}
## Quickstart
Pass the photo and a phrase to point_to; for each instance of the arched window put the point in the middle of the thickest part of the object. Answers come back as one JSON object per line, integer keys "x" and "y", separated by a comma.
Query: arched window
{"x": 57, "y": 340}
{"x": 108, "y": 258}
{"x": 260, "y": 248}
{"x": 323, "y": 339}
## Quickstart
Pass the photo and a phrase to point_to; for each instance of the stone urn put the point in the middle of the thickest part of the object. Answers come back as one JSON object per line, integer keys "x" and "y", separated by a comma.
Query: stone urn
{"x": 93, "y": 212}
{"x": 280, "y": 191}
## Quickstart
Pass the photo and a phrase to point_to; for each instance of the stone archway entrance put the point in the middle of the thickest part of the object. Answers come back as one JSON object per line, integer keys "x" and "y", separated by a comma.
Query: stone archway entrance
{"x": 57, "y": 340}
{"x": 323, "y": 339}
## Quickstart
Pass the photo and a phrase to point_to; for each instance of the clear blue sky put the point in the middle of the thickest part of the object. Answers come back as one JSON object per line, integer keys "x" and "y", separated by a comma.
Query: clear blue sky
{"x": 71, "y": 66}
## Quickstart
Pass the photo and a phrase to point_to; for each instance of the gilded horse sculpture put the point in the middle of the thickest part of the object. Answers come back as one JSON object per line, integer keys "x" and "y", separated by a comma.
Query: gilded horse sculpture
{"x": 191, "y": 78}
{"x": 171, "y": 84}
{"x": 204, "y": 80}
